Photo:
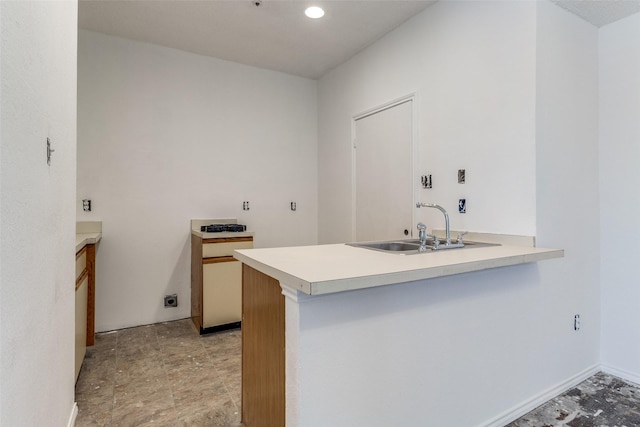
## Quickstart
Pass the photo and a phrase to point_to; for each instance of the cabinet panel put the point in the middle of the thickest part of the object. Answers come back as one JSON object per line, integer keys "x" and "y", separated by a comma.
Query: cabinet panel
{"x": 263, "y": 350}
{"x": 81, "y": 261}
{"x": 221, "y": 293}
{"x": 81, "y": 323}
{"x": 210, "y": 250}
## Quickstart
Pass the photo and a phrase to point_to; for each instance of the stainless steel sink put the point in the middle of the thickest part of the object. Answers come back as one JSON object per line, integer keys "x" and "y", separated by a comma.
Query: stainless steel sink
{"x": 410, "y": 247}
{"x": 390, "y": 246}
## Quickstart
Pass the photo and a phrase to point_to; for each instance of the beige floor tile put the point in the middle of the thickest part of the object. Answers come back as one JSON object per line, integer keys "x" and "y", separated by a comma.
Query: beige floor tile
{"x": 152, "y": 413}
{"x": 222, "y": 413}
{"x": 203, "y": 388}
{"x": 128, "y": 371}
{"x": 179, "y": 328}
{"x": 160, "y": 375}
{"x": 90, "y": 417}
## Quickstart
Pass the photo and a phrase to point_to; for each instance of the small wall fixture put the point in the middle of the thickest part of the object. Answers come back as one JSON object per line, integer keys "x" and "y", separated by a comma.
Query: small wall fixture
{"x": 49, "y": 151}
{"x": 462, "y": 176}
{"x": 314, "y": 12}
{"x": 462, "y": 205}
{"x": 426, "y": 181}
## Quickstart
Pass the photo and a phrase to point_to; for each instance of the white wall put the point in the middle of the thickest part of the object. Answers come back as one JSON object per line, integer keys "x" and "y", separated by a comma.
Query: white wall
{"x": 475, "y": 91}
{"x": 509, "y": 91}
{"x": 620, "y": 202}
{"x": 567, "y": 207}
{"x": 37, "y": 213}
{"x": 166, "y": 136}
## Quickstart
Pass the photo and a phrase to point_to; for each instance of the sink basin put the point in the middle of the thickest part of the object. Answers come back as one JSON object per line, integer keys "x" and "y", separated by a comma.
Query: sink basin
{"x": 391, "y": 246}
{"x": 408, "y": 247}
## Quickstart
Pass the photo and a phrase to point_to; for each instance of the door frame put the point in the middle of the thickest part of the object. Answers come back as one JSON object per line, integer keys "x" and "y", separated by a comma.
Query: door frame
{"x": 412, "y": 97}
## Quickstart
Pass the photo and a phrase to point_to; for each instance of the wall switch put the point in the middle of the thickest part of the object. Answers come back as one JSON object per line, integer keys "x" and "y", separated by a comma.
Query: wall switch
{"x": 293, "y": 206}
{"x": 49, "y": 151}
{"x": 576, "y": 322}
{"x": 462, "y": 176}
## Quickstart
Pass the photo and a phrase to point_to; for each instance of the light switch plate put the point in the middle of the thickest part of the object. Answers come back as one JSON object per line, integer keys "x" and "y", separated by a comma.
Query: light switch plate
{"x": 462, "y": 176}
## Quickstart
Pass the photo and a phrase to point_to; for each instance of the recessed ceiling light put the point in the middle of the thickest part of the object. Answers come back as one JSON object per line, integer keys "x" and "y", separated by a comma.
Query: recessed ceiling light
{"x": 314, "y": 12}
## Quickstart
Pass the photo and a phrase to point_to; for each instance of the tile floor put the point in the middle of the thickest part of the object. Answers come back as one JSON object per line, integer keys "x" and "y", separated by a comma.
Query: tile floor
{"x": 167, "y": 375}
{"x": 161, "y": 375}
{"x": 602, "y": 400}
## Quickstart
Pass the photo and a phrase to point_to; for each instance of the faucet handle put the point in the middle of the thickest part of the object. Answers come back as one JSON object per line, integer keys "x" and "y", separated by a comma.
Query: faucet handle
{"x": 436, "y": 241}
{"x": 460, "y": 236}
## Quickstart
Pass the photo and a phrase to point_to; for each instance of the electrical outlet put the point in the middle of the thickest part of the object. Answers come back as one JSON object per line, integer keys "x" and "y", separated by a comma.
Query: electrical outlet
{"x": 462, "y": 205}
{"x": 576, "y": 322}
{"x": 171, "y": 300}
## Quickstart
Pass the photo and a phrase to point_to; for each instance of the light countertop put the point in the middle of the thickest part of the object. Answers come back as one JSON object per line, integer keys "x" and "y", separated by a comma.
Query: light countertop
{"x": 87, "y": 233}
{"x": 84, "y": 239}
{"x": 324, "y": 269}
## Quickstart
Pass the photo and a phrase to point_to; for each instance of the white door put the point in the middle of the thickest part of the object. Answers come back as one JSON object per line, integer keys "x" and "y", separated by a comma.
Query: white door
{"x": 383, "y": 173}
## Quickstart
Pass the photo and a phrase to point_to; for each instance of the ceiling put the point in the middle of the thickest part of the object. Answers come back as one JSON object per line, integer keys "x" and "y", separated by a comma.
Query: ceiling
{"x": 600, "y": 12}
{"x": 276, "y": 34}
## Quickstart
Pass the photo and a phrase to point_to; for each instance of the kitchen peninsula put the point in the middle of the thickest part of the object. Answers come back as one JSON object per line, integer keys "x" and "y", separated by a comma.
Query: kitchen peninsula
{"x": 327, "y": 341}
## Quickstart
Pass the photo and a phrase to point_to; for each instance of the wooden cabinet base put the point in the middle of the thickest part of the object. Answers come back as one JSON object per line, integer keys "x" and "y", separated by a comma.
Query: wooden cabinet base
{"x": 218, "y": 328}
{"x": 263, "y": 350}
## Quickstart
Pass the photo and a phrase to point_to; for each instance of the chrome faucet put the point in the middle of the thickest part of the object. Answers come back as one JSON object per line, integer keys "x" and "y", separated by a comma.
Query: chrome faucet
{"x": 436, "y": 243}
{"x": 422, "y": 235}
{"x": 446, "y": 218}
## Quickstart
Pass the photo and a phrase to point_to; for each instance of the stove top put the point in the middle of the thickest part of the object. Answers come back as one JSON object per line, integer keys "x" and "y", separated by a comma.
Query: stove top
{"x": 221, "y": 228}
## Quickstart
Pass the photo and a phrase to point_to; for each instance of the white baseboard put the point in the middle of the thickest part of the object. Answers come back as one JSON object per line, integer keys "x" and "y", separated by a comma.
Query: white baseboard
{"x": 537, "y": 400}
{"x": 74, "y": 414}
{"x": 628, "y": 376}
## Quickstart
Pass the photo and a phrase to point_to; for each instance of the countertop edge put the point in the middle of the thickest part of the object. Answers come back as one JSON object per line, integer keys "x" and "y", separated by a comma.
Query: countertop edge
{"x": 284, "y": 278}
{"x": 222, "y": 235}
{"x": 84, "y": 239}
{"x": 341, "y": 285}
{"x": 409, "y": 275}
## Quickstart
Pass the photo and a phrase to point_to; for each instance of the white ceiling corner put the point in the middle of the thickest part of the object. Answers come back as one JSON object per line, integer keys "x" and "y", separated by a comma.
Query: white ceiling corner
{"x": 600, "y": 12}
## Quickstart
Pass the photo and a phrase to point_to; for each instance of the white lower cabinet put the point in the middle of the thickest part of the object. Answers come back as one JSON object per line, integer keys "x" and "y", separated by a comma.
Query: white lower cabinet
{"x": 216, "y": 282}
{"x": 81, "y": 323}
{"x": 221, "y": 293}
